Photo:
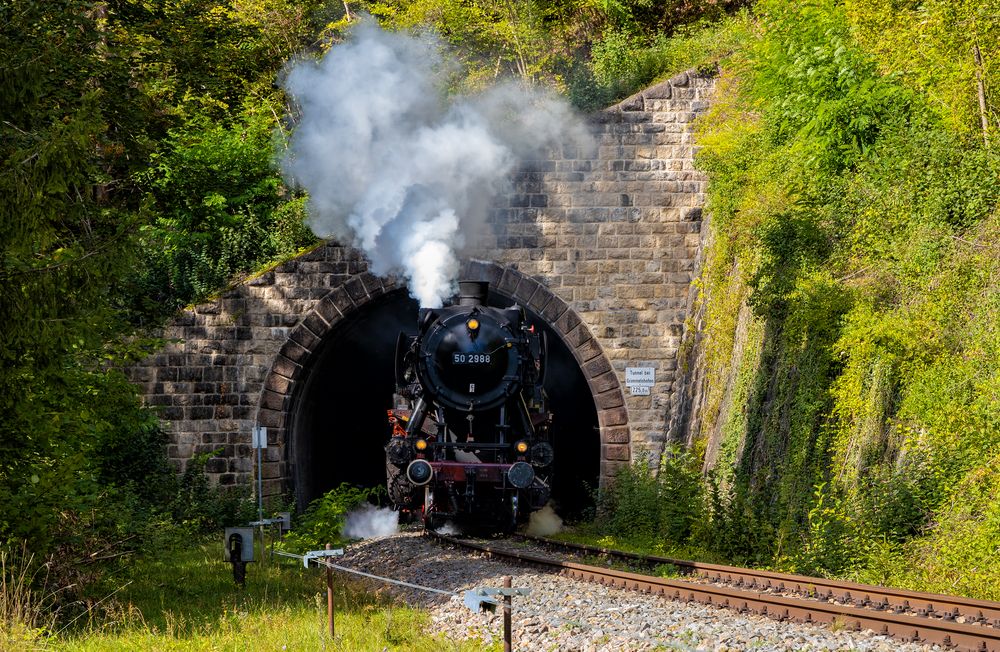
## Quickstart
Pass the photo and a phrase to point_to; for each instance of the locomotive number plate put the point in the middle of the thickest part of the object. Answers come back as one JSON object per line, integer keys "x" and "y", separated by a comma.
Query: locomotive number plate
{"x": 470, "y": 358}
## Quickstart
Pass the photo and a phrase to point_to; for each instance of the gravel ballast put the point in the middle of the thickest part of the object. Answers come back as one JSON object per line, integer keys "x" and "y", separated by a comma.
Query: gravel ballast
{"x": 566, "y": 614}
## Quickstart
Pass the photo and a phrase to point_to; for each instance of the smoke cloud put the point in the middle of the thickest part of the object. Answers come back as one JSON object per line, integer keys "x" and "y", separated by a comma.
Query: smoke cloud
{"x": 370, "y": 521}
{"x": 395, "y": 168}
{"x": 449, "y": 529}
{"x": 545, "y": 522}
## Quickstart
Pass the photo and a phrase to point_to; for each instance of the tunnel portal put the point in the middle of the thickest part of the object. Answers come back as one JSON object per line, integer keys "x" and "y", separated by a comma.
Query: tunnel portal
{"x": 338, "y": 423}
{"x": 601, "y": 241}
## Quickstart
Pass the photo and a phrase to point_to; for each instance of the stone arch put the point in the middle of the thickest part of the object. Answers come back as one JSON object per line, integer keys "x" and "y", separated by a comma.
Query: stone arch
{"x": 292, "y": 362}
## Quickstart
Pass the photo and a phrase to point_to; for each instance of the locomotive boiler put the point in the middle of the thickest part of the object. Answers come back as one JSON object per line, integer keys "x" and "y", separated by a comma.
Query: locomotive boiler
{"x": 470, "y": 428}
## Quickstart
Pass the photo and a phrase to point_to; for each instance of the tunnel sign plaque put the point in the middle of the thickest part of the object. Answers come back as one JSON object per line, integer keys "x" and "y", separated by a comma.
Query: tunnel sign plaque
{"x": 259, "y": 437}
{"x": 640, "y": 380}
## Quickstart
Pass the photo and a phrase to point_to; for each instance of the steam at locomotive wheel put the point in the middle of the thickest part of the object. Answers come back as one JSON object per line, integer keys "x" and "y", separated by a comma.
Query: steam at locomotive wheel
{"x": 470, "y": 429}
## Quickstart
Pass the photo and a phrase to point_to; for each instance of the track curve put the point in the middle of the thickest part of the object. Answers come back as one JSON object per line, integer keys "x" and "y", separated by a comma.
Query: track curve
{"x": 959, "y": 623}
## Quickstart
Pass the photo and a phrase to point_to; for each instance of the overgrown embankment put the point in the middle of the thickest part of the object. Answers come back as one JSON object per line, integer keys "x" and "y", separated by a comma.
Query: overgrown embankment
{"x": 850, "y": 295}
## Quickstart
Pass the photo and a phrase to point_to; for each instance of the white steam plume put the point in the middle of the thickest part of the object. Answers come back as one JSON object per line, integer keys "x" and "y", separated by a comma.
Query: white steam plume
{"x": 449, "y": 529}
{"x": 394, "y": 168}
{"x": 370, "y": 521}
{"x": 545, "y": 522}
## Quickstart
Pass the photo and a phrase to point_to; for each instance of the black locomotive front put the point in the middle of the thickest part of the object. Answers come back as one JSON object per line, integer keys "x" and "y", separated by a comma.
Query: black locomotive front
{"x": 470, "y": 426}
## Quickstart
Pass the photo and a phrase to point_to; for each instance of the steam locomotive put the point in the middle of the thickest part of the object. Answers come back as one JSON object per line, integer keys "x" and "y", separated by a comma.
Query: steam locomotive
{"x": 470, "y": 429}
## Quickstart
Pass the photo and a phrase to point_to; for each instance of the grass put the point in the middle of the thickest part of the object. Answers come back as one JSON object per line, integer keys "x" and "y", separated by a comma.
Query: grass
{"x": 186, "y": 600}
{"x": 24, "y": 613}
{"x": 590, "y": 534}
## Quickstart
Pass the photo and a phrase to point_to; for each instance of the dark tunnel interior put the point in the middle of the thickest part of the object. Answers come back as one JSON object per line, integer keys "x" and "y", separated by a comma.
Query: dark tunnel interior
{"x": 339, "y": 424}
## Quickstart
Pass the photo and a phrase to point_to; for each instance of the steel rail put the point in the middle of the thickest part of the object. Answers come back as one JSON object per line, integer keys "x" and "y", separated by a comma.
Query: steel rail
{"x": 903, "y": 626}
{"x": 948, "y": 607}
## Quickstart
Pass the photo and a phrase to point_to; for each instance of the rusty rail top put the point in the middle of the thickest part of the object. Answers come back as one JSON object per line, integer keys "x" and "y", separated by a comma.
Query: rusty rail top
{"x": 932, "y": 603}
{"x": 881, "y": 617}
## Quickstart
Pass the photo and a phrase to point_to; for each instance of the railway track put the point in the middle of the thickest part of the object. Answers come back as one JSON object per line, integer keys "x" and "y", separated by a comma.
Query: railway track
{"x": 959, "y": 623}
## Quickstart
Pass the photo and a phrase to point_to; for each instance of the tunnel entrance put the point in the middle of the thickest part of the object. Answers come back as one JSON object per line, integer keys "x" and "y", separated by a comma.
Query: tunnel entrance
{"x": 338, "y": 418}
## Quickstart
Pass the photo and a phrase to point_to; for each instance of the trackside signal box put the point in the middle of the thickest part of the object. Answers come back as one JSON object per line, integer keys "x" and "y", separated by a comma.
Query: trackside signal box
{"x": 238, "y": 544}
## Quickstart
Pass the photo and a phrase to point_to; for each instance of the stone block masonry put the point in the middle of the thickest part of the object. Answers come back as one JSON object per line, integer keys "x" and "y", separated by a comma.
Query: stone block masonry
{"x": 602, "y": 241}
{"x": 231, "y": 362}
{"x": 613, "y": 230}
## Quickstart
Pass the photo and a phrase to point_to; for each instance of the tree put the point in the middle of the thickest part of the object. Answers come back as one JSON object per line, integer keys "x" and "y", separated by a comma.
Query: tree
{"x": 65, "y": 240}
{"x": 932, "y": 46}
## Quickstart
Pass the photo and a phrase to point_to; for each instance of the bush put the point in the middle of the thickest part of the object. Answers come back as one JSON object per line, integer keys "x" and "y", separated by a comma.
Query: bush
{"x": 631, "y": 506}
{"x": 199, "y": 507}
{"x": 835, "y": 538}
{"x": 859, "y": 211}
{"x": 323, "y": 520}
{"x": 220, "y": 209}
{"x": 662, "y": 505}
{"x": 623, "y": 62}
{"x": 733, "y": 528}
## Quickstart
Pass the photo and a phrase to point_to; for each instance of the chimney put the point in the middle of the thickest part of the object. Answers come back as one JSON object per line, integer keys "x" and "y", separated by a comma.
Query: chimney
{"x": 473, "y": 293}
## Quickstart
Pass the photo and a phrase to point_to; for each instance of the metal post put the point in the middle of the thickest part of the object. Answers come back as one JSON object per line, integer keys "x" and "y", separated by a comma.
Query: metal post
{"x": 329, "y": 596}
{"x": 506, "y": 615}
{"x": 260, "y": 506}
{"x": 260, "y": 488}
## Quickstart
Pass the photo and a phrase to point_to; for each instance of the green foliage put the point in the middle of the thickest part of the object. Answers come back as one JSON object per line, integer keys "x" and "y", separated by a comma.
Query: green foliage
{"x": 825, "y": 90}
{"x": 197, "y": 507}
{"x": 855, "y": 210}
{"x": 732, "y": 528}
{"x": 323, "y": 520}
{"x": 220, "y": 207}
{"x": 632, "y": 503}
{"x": 210, "y": 204}
{"x": 929, "y": 46}
{"x": 792, "y": 245}
{"x": 834, "y": 541}
{"x": 665, "y": 16}
{"x": 958, "y": 555}
{"x": 186, "y": 57}
{"x": 597, "y": 51}
{"x": 87, "y": 89}
{"x": 623, "y": 62}
{"x": 135, "y": 459}
{"x": 657, "y": 506}
{"x": 60, "y": 248}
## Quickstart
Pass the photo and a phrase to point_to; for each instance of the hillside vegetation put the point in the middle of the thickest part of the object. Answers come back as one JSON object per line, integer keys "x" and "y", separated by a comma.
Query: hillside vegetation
{"x": 854, "y": 201}
{"x": 851, "y": 298}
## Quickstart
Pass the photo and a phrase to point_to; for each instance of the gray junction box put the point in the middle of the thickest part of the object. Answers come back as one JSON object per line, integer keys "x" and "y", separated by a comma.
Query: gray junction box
{"x": 245, "y": 541}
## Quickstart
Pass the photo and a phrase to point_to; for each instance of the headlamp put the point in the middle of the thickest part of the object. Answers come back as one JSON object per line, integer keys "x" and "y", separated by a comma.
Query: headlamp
{"x": 419, "y": 472}
{"x": 520, "y": 475}
{"x": 521, "y": 446}
{"x": 420, "y": 444}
